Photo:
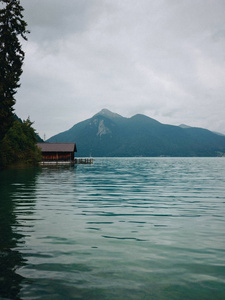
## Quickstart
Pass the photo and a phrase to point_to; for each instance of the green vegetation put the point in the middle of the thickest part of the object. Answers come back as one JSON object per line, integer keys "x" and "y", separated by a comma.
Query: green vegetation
{"x": 19, "y": 145}
{"x": 17, "y": 140}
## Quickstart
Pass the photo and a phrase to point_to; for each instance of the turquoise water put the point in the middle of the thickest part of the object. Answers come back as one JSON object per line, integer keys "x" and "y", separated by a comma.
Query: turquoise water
{"x": 133, "y": 228}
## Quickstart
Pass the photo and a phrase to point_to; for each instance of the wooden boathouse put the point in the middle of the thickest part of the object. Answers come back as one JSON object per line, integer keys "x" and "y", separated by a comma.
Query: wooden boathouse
{"x": 57, "y": 152}
{"x": 61, "y": 153}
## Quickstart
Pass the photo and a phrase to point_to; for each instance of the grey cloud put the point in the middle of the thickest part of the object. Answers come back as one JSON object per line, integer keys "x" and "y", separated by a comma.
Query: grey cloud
{"x": 163, "y": 58}
{"x": 56, "y": 19}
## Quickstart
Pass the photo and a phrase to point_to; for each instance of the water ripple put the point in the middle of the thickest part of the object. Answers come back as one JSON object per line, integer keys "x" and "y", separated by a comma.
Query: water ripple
{"x": 141, "y": 228}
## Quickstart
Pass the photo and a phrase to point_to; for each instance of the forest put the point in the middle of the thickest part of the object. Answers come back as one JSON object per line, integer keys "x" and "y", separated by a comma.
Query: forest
{"x": 18, "y": 138}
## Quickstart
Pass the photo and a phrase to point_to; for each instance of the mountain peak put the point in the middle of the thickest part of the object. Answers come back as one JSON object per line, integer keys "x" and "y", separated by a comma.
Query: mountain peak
{"x": 141, "y": 117}
{"x": 107, "y": 113}
{"x": 184, "y": 126}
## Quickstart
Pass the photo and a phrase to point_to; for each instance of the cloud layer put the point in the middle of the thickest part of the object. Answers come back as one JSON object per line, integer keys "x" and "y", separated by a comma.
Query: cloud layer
{"x": 161, "y": 58}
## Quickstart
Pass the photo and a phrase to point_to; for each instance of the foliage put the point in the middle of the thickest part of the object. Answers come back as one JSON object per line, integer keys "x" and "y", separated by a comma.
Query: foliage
{"x": 19, "y": 145}
{"x": 12, "y": 26}
{"x": 17, "y": 139}
{"x": 39, "y": 139}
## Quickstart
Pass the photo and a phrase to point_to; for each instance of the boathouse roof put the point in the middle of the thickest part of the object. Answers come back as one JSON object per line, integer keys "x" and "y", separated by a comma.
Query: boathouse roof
{"x": 57, "y": 147}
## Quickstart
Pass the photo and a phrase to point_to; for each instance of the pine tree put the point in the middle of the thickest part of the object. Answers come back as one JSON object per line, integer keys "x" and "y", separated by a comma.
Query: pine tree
{"x": 12, "y": 27}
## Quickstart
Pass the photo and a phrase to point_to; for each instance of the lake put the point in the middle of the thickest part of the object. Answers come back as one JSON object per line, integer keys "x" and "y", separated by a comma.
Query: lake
{"x": 122, "y": 228}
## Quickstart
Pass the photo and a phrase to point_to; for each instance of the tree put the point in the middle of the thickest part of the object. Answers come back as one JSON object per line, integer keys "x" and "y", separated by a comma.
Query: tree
{"x": 12, "y": 27}
{"x": 19, "y": 145}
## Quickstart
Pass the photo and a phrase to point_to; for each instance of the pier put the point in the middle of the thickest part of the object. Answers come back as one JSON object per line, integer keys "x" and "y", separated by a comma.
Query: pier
{"x": 70, "y": 162}
{"x": 83, "y": 161}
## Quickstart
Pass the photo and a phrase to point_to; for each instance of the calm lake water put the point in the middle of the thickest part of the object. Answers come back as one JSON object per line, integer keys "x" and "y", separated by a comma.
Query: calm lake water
{"x": 143, "y": 228}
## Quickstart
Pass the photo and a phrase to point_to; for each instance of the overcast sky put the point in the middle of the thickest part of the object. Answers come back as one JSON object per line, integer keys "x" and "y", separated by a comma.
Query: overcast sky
{"x": 161, "y": 58}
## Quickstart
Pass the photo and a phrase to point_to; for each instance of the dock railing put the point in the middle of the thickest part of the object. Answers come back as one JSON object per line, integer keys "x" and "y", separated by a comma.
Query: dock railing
{"x": 83, "y": 160}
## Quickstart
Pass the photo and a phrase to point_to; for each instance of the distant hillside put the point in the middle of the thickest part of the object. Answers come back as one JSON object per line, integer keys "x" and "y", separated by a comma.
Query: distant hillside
{"x": 109, "y": 134}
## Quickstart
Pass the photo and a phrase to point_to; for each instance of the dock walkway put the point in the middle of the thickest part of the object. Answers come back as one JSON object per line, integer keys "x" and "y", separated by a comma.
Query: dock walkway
{"x": 83, "y": 161}
{"x": 69, "y": 162}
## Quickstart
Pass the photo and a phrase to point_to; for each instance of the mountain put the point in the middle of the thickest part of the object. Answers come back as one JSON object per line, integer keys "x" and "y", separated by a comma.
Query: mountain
{"x": 109, "y": 134}
{"x": 184, "y": 126}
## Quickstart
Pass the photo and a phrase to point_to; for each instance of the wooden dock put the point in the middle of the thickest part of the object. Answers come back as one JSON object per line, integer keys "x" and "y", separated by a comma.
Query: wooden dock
{"x": 69, "y": 162}
{"x": 83, "y": 161}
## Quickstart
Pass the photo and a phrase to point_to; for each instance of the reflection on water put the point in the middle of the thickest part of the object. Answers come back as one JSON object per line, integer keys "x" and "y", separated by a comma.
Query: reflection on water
{"x": 117, "y": 229}
{"x": 16, "y": 193}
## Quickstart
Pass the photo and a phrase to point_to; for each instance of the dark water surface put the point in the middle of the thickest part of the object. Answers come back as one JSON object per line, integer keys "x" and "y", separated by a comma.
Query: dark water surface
{"x": 146, "y": 228}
